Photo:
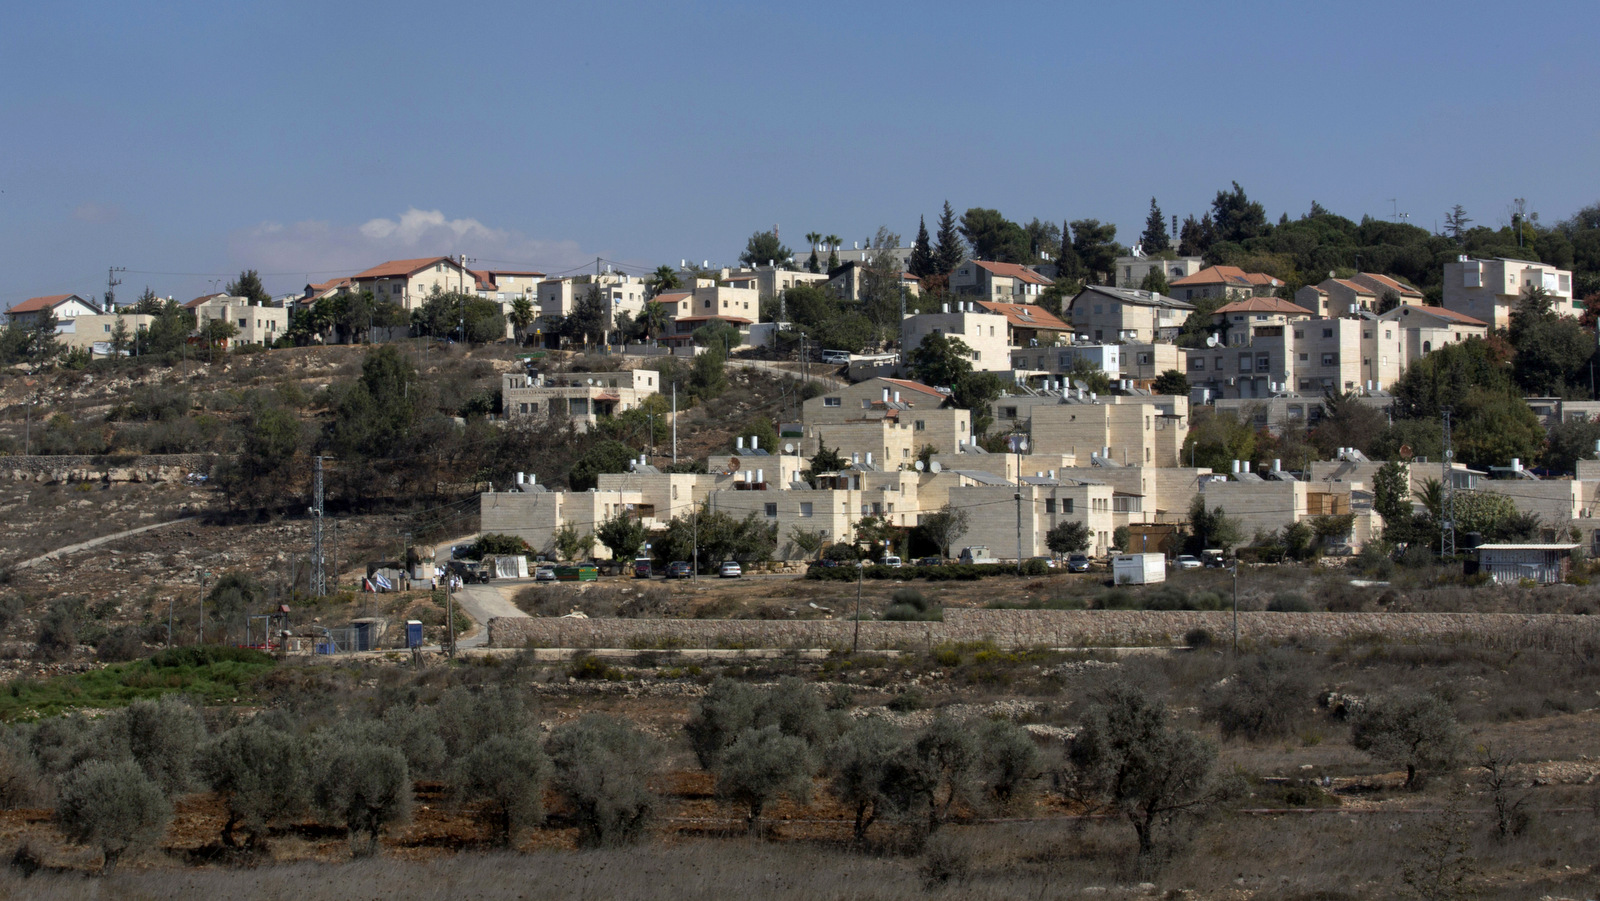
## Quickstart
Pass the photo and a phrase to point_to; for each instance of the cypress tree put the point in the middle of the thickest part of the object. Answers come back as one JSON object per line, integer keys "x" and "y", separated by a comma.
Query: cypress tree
{"x": 1155, "y": 238}
{"x": 922, "y": 263}
{"x": 950, "y": 250}
{"x": 1069, "y": 266}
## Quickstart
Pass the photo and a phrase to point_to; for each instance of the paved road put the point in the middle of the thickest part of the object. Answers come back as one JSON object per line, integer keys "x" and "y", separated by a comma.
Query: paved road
{"x": 823, "y": 377}
{"x": 485, "y": 602}
{"x": 104, "y": 539}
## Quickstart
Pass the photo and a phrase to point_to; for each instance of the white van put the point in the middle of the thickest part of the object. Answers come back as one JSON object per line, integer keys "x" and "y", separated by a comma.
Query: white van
{"x": 892, "y": 562}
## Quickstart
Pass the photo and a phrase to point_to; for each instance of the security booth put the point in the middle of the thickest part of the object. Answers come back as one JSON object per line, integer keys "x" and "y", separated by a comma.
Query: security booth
{"x": 1545, "y": 564}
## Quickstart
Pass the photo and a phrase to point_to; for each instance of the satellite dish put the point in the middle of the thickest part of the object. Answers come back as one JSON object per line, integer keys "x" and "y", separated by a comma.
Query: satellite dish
{"x": 1405, "y": 451}
{"x": 934, "y": 466}
{"x": 918, "y": 466}
{"x": 1211, "y": 341}
{"x": 789, "y": 448}
{"x": 1080, "y": 384}
{"x": 733, "y": 462}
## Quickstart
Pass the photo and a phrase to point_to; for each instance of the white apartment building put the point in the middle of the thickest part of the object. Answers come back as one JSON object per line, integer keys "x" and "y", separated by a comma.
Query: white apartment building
{"x": 1490, "y": 290}
{"x": 986, "y": 333}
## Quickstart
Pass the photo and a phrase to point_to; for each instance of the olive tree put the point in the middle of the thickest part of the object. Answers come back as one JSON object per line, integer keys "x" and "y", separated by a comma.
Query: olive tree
{"x": 859, "y": 764}
{"x": 505, "y": 775}
{"x": 1411, "y": 729}
{"x": 1127, "y": 759}
{"x": 163, "y": 737}
{"x": 761, "y": 765}
{"x": 1262, "y": 699}
{"x": 924, "y": 785}
{"x": 259, "y": 772}
{"x": 602, "y": 770}
{"x": 1007, "y": 760}
{"x": 731, "y": 708}
{"x": 367, "y": 788}
{"x": 113, "y": 806}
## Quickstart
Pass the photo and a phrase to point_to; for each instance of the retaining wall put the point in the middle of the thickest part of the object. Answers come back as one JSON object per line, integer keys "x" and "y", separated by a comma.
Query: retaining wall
{"x": 1052, "y": 628}
{"x": 129, "y": 468}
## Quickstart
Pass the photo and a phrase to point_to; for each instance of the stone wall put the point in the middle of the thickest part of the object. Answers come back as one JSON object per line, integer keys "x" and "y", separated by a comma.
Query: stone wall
{"x": 126, "y": 468}
{"x": 1053, "y": 628}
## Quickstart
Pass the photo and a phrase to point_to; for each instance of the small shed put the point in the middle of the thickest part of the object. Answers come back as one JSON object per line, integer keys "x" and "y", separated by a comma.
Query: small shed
{"x": 1511, "y": 563}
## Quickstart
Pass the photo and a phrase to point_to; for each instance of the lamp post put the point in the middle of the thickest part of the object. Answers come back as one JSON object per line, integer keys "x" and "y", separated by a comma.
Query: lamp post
{"x": 1235, "y": 606}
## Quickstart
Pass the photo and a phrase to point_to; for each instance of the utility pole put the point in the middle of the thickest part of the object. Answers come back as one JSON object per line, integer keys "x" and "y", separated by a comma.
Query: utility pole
{"x": 334, "y": 570}
{"x": 464, "y": 261}
{"x": 1235, "y": 606}
{"x": 1447, "y": 511}
{"x": 674, "y": 423}
{"x": 694, "y": 552}
{"x": 203, "y": 575}
{"x": 319, "y": 585}
{"x": 111, "y": 286}
{"x": 1019, "y": 444}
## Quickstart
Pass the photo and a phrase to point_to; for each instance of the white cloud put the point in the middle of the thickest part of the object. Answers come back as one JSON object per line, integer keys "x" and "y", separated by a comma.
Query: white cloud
{"x": 322, "y": 250}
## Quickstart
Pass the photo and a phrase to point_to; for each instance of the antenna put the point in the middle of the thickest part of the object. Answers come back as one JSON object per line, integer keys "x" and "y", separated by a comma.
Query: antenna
{"x": 111, "y": 286}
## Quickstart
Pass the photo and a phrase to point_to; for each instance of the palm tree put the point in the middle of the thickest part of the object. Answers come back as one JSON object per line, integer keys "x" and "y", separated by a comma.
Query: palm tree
{"x": 664, "y": 279}
{"x": 833, "y": 247}
{"x": 655, "y": 318}
{"x": 813, "y": 238}
{"x": 521, "y": 316}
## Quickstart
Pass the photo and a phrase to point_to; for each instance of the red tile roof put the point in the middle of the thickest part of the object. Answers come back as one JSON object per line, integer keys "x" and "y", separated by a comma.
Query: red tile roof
{"x": 202, "y": 299}
{"x": 1226, "y": 275}
{"x": 1264, "y": 305}
{"x": 1013, "y": 270}
{"x": 738, "y": 319}
{"x": 908, "y": 385}
{"x": 1026, "y": 315}
{"x": 1385, "y": 283}
{"x": 35, "y": 304}
{"x": 1353, "y": 286}
{"x": 672, "y": 297}
{"x": 402, "y": 268}
{"x": 522, "y": 272}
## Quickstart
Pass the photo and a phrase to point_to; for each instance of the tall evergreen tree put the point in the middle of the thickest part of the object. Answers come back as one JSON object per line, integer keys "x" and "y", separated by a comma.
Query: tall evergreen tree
{"x": 922, "y": 263}
{"x": 950, "y": 251}
{"x": 248, "y": 286}
{"x": 1155, "y": 238}
{"x": 1069, "y": 266}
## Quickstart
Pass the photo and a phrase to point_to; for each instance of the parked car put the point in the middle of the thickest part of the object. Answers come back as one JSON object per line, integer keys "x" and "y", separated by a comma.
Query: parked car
{"x": 730, "y": 570}
{"x": 470, "y": 571}
{"x": 641, "y": 569}
{"x": 544, "y": 574}
{"x": 1049, "y": 562}
{"x": 930, "y": 561}
{"x": 678, "y": 569}
{"x": 891, "y": 561}
{"x": 1186, "y": 561}
{"x": 1077, "y": 563}
{"x": 836, "y": 357}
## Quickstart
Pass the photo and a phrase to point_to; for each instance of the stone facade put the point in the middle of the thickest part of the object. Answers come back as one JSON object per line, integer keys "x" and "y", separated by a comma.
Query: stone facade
{"x": 142, "y": 468}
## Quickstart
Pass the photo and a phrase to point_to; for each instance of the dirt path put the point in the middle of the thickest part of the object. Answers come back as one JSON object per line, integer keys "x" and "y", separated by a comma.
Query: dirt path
{"x": 483, "y": 603}
{"x": 103, "y": 539}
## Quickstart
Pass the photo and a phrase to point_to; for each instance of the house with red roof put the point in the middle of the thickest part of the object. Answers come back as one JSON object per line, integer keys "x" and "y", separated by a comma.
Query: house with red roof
{"x": 1363, "y": 292}
{"x": 890, "y": 419}
{"x": 63, "y": 306}
{"x": 1426, "y": 329}
{"x": 1229, "y": 282}
{"x": 998, "y": 281}
{"x": 409, "y": 282}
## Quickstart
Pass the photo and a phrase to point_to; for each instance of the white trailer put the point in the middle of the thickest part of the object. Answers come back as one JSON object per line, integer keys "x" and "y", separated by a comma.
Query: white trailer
{"x": 1139, "y": 569}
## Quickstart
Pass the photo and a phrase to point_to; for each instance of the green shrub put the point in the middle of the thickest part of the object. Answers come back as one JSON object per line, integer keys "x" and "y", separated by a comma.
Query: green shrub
{"x": 1289, "y": 602}
{"x": 1198, "y": 638}
{"x": 112, "y": 806}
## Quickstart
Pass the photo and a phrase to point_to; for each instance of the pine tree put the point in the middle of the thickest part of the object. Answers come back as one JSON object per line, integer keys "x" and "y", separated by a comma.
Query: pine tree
{"x": 1155, "y": 238}
{"x": 922, "y": 263}
{"x": 950, "y": 250}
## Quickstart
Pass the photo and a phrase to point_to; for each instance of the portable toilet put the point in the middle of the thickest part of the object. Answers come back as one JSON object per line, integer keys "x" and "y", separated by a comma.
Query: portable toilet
{"x": 413, "y": 633}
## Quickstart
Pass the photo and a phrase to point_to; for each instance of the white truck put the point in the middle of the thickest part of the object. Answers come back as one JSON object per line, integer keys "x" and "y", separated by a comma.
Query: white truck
{"x": 977, "y": 554}
{"x": 1139, "y": 569}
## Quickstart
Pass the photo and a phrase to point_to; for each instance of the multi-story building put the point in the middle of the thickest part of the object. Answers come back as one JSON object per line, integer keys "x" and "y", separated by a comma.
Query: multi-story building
{"x": 707, "y": 300}
{"x": 1364, "y": 292}
{"x": 256, "y": 324}
{"x": 1229, "y": 282}
{"x": 1029, "y": 325}
{"x": 506, "y": 285}
{"x": 410, "y": 282}
{"x": 1426, "y": 329}
{"x": 1103, "y": 315}
{"x": 1132, "y": 271}
{"x": 1490, "y": 290}
{"x": 997, "y": 281}
{"x": 62, "y": 306}
{"x": 558, "y": 297}
{"x": 94, "y": 332}
{"x": 984, "y": 332}
{"x": 583, "y": 397}
{"x": 993, "y": 510}
{"x": 1276, "y": 349}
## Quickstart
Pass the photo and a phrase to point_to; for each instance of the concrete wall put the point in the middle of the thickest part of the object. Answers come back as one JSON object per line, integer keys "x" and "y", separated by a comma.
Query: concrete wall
{"x": 142, "y": 468}
{"x": 1054, "y": 628}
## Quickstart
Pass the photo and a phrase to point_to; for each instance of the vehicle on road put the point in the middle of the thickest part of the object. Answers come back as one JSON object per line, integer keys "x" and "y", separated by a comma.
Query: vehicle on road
{"x": 641, "y": 569}
{"x": 730, "y": 570}
{"x": 544, "y": 574}
{"x": 1186, "y": 561}
{"x": 470, "y": 571}
{"x": 977, "y": 554}
{"x": 678, "y": 569}
{"x": 892, "y": 562}
{"x": 578, "y": 572}
{"x": 836, "y": 357}
{"x": 1214, "y": 558}
{"x": 1077, "y": 563}
{"x": 930, "y": 561}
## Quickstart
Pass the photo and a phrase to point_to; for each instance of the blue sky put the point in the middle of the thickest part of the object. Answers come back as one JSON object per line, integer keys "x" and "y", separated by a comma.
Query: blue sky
{"x": 186, "y": 141}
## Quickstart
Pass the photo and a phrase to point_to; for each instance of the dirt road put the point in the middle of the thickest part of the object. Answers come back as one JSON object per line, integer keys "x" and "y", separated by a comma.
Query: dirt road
{"x": 103, "y": 539}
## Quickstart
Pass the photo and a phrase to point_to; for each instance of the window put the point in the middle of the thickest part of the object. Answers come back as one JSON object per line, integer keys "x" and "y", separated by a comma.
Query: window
{"x": 1263, "y": 363}
{"x": 922, "y": 425}
{"x": 805, "y": 508}
{"x": 1305, "y": 358}
{"x": 772, "y": 509}
{"x": 1197, "y": 364}
{"x": 1008, "y": 412}
{"x": 1388, "y": 334}
{"x": 1327, "y": 333}
{"x": 1299, "y": 333}
{"x": 1066, "y": 505}
{"x": 1098, "y": 309}
{"x": 831, "y": 402}
{"x": 1330, "y": 359}
{"x": 976, "y": 355}
{"x": 1244, "y": 363}
{"x": 244, "y": 323}
{"x": 1305, "y": 384}
{"x": 1049, "y": 505}
{"x": 1144, "y": 359}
